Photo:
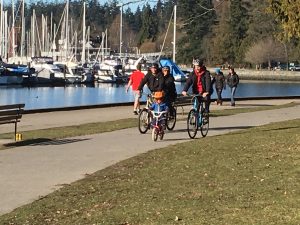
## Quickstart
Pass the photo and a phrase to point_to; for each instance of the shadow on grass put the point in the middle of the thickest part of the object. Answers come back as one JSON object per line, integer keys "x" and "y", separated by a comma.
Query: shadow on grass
{"x": 256, "y": 105}
{"x": 282, "y": 128}
{"x": 44, "y": 142}
{"x": 231, "y": 128}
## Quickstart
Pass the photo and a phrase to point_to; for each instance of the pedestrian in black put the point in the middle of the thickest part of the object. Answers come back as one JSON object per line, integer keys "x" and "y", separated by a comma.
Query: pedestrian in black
{"x": 220, "y": 84}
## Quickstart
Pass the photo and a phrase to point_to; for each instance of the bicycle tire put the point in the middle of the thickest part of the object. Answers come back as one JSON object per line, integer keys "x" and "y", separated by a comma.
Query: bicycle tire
{"x": 155, "y": 134}
{"x": 161, "y": 135}
{"x": 205, "y": 124}
{"x": 171, "y": 121}
{"x": 144, "y": 121}
{"x": 192, "y": 123}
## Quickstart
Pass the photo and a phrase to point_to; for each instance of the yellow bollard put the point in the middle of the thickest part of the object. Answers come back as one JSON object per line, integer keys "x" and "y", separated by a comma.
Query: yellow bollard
{"x": 18, "y": 137}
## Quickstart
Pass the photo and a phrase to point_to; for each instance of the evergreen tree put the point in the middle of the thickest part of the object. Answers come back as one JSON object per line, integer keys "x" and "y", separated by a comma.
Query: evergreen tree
{"x": 237, "y": 30}
{"x": 197, "y": 23}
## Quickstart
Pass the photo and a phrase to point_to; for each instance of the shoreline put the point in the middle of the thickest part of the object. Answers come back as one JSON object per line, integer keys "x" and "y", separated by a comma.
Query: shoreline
{"x": 264, "y": 75}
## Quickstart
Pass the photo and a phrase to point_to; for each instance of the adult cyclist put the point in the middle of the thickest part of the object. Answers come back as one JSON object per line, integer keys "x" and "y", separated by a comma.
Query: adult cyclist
{"x": 169, "y": 88}
{"x": 200, "y": 80}
{"x": 154, "y": 79}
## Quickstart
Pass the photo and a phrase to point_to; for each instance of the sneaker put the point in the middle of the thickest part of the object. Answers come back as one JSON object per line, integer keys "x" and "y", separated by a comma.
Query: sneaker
{"x": 135, "y": 113}
{"x": 232, "y": 104}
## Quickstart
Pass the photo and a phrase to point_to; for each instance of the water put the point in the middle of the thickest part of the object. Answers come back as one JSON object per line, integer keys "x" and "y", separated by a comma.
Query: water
{"x": 80, "y": 95}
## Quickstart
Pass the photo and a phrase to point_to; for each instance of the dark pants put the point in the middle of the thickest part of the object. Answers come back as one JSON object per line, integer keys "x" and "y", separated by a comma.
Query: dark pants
{"x": 219, "y": 95}
{"x": 206, "y": 102}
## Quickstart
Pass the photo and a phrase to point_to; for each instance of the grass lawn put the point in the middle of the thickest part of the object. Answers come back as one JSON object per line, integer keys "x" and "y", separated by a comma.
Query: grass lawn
{"x": 246, "y": 177}
{"x": 36, "y": 136}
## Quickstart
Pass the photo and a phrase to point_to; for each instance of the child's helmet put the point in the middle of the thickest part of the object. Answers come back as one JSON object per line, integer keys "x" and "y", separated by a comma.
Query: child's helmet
{"x": 158, "y": 95}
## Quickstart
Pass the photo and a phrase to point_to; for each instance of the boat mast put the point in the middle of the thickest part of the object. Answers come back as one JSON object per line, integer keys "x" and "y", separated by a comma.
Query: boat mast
{"x": 67, "y": 31}
{"x": 1, "y": 29}
{"x": 33, "y": 34}
{"x": 23, "y": 31}
{"x": 83, "y": 35}
{"x": 13, "y": 29}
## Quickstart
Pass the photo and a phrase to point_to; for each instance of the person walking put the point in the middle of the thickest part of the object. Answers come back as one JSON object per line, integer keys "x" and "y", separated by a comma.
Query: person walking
{"x": 134, "y": 81}
{"x": 220, "y": 84}
{"x": 169, "y": 88}
{"x": 232, "y": 81}
{"x": 200, "y": 80}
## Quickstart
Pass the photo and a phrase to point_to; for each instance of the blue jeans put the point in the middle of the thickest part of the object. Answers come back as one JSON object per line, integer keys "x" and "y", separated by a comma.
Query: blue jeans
{"x": 233, "y": 89}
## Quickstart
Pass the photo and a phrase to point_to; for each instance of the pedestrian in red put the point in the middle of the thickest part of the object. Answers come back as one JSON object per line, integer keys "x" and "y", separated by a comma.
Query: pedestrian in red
{"x": 134, "y": 81}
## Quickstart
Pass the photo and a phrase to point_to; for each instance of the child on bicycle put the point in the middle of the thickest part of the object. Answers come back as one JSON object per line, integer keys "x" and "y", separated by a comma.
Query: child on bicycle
{"x": 158, "y": 105}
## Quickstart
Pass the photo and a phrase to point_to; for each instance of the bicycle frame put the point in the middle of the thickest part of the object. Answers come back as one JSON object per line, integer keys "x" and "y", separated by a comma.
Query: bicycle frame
{"x": 198, "y": 107}
{"x": 158, "y": 117}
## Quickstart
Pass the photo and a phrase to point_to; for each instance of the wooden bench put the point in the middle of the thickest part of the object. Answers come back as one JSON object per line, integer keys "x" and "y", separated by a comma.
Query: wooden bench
{"x": 183, "y": 101}
{"x": 11, "y": 114}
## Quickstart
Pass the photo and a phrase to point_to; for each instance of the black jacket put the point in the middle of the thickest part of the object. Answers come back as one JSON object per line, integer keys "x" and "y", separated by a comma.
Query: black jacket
{"x": 192, "y": 81}
{"x": 169, "y": 88}
{"x": 219, "y": 81}
{"x": 154, "y": 82}
{"x": 233, "y": 80}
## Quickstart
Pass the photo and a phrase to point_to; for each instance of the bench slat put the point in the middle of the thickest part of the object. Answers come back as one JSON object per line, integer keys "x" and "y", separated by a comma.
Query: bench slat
{"x": 10, "y": 118}
{"x": 13, "y": 106}
{"x": 11, "y": 112}
{"x": 7, "y": 122}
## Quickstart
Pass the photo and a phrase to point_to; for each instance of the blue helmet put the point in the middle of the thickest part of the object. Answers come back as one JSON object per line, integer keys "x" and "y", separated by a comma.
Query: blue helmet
{"x": 217, "y": 70}
{"x": 166, "y": 67}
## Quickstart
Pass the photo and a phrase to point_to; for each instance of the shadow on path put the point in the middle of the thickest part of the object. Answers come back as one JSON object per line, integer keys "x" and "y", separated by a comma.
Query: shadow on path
{"x": 45, "y": 142}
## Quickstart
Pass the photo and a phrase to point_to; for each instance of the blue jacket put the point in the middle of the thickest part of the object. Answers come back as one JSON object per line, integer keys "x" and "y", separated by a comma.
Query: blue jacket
{"x": 159, "y": 107}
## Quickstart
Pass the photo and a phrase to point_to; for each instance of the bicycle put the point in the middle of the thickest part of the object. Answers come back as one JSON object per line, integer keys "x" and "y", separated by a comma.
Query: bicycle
{"x": 158, "y": 124}
{"x": 145, "y": 116}
{"x": 197, "y": 118}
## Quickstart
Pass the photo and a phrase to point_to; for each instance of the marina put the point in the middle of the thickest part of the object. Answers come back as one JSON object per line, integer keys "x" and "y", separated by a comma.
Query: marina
{"x": 43, "y": 97}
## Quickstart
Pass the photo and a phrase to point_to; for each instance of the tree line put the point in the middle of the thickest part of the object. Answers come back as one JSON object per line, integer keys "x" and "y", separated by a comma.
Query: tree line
{"x": 237, "y": 32}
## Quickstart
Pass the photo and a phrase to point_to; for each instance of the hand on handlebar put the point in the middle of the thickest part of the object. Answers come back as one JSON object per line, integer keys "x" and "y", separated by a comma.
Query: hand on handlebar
{"x": 184, "y": 93}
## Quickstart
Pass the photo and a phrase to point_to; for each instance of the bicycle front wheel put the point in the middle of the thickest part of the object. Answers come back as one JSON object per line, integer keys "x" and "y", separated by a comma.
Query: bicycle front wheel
{"x": 144, "y": 121}
{"x": 155, "y": 132}
{"x": 192, "y": 123}
{"x": 171, "y": 118}
{"x": 205, "y": 124}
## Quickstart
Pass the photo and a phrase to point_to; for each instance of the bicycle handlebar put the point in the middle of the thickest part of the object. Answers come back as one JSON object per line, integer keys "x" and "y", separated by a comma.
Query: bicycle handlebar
{"x": 158, "y": 114}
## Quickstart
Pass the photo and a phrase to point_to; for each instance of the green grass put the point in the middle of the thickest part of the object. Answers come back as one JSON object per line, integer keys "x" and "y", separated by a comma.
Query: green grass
{"x": 246, "y": 177}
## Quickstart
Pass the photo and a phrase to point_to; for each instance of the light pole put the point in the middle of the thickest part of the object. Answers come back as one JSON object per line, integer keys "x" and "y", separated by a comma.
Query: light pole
{"x": 174, "y": 35}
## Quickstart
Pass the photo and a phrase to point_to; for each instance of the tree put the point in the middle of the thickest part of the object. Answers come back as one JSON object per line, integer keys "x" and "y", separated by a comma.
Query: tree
{"x": 287, "y": 14}
{"x": 197, "y": 18}
{"x": 237, "y": 30}
{"x": 265, "y": 51}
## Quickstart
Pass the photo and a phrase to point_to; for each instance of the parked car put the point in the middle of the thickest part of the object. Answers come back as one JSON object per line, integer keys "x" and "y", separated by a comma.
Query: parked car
{"x": 295, "y": 68}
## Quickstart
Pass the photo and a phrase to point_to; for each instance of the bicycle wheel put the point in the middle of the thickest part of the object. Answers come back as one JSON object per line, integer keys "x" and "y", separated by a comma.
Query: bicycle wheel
{"x": 171, "y": 118}
{"x": 205, "y": 124}
{"x": 192, "y": 123}
{"x": 144, "y": 121}
{"x": 155, "y": 132}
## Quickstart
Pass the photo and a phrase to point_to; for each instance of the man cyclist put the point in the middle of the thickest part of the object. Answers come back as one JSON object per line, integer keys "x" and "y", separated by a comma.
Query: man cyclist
{"x": 200, "y": 81}
{"x": 154, "y": 79}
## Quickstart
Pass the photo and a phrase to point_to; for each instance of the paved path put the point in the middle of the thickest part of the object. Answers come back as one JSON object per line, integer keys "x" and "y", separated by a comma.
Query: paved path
{"x": 32, "y": 171}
